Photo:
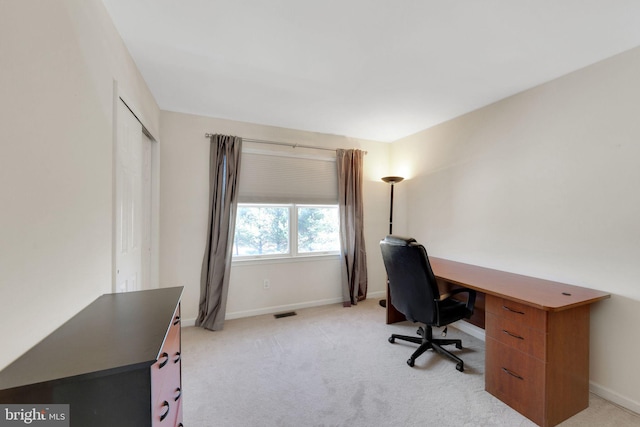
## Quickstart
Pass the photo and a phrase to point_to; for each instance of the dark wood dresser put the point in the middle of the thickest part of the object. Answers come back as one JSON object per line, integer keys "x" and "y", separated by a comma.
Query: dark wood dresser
{"x": 116, "y": 363}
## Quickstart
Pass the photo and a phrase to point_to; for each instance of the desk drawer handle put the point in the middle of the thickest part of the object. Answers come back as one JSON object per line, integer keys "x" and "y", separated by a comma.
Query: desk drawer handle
{"x": 178, "y": 394}
{"x": 512, "y": 310}
{"x": 178, "y": 356}
{"x": 513, "y": 374}
{"x": 176, "y": 320}
{"x": 164, "y": 362}
{"x": 512, "y": 335}
{"x": 165, "y": 404}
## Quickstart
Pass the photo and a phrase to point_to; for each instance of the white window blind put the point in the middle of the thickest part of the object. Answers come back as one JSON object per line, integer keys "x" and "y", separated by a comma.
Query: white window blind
{"x": 277, "y": 178}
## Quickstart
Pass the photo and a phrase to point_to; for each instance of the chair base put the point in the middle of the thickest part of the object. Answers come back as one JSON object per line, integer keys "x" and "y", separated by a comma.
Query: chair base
{"x": 427, "y": 342}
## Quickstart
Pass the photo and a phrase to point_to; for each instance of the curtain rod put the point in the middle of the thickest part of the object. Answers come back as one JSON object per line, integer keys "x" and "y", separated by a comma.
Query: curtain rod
{"x": 286, "y": 144}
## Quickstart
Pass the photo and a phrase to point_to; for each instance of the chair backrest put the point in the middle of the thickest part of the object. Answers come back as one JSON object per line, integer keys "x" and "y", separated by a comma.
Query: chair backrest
{"x": 412, "y": 283}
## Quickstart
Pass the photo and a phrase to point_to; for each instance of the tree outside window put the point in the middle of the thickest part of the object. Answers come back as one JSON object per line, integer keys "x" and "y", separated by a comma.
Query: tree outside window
{"x": 265, "y": 230}
{"x": 318, "y": 229}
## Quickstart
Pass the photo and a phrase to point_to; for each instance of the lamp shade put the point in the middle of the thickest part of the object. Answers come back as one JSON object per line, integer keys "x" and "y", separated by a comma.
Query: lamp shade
{"x": 392, "y": 179}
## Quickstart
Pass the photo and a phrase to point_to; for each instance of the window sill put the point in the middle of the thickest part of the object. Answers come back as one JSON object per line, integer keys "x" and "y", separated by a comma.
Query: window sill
{"x": 284, "y": 259}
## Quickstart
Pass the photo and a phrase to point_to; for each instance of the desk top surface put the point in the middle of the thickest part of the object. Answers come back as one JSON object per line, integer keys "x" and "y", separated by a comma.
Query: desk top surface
{"x": 540, "y": 293}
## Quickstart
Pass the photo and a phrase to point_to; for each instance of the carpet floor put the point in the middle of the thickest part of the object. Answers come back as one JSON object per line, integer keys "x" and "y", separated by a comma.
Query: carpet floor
{"x": 333, "y": 366}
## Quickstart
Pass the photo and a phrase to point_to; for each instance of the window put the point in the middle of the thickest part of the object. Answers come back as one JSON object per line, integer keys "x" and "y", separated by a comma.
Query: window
{"x": 261, "y": 230}
{"x": 272, "y": 231}
{"x": 287, "y": 206}
{"x": 318, "y": 229}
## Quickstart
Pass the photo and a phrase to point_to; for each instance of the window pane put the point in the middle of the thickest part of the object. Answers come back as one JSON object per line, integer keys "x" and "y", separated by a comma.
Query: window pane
{"x": 261, "y": 230}
{"x": 318, "y": 229}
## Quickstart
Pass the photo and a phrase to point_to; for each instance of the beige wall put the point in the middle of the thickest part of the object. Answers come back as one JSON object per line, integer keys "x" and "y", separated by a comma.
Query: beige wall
{"x": 59, "y": 62}
{"x": 184, "y": 183}
{"x": 545, "y": 183}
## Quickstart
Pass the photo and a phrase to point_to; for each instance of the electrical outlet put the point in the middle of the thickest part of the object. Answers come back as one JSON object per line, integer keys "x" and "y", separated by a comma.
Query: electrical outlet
{"x": 266, "y": 284}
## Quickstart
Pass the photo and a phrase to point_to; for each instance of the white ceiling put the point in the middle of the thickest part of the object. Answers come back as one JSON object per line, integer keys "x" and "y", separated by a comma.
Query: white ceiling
{"x": 372, "y": 69}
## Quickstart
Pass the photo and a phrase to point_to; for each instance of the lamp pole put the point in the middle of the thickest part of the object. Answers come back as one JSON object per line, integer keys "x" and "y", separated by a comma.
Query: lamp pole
{"x": 391, "y": 180}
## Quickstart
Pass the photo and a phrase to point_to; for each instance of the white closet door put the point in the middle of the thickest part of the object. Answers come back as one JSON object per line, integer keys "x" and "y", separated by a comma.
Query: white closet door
{"x": 132, "y": 210}
{"x": 146, "y": 211}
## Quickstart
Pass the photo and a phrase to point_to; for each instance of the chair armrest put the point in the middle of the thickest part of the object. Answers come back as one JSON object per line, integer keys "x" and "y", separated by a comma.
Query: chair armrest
{"x": 471, "y": 298}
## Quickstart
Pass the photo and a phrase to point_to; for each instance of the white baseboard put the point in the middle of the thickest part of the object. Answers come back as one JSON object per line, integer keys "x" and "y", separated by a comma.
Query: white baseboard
{"x": 296, "y": 306}
{"x": 614, "y": 397}
{"x": 286, "y": 307}
{"x": 470, "y": 329}
{"x": 188, "y": 322}
{"x": 269, "y": 310}
{"x": 280, "y": 308}
{"x": 376, "y": 295}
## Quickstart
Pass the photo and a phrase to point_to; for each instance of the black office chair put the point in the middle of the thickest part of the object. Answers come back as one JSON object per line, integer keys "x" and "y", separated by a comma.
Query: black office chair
{"x": 414, "y": 292}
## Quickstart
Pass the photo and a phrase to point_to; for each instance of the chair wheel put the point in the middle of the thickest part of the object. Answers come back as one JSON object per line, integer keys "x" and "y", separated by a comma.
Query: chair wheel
{"x": 392, "y": 340}
{"x": 410, "y": 362}
{"x": 460, "y": 367}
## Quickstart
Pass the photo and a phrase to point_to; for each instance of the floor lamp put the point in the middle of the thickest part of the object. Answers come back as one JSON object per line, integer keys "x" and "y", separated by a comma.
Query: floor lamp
{"x": 391, "y": 180}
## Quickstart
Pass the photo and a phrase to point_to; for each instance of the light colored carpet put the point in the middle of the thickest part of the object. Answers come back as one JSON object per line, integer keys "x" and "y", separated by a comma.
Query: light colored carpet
{"x": 333, "y": 366}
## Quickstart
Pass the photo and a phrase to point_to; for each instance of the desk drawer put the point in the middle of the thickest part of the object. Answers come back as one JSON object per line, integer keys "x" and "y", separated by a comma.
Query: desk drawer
{"x": 517, "y": 335}
{"x": 515, "y": 378}
{"x": 522, "y": 314}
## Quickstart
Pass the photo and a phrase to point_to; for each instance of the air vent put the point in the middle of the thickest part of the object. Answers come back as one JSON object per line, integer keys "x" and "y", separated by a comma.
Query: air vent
{"x": 287, "y": 314}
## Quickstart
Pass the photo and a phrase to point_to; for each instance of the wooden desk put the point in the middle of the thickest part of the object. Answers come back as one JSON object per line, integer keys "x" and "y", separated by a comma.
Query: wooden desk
{"x": 537, "y": 339}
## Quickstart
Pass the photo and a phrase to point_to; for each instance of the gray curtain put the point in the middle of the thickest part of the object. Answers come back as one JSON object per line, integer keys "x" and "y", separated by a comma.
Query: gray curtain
{"x": 224, "y": 170}
{"x": 354, "y": 257}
